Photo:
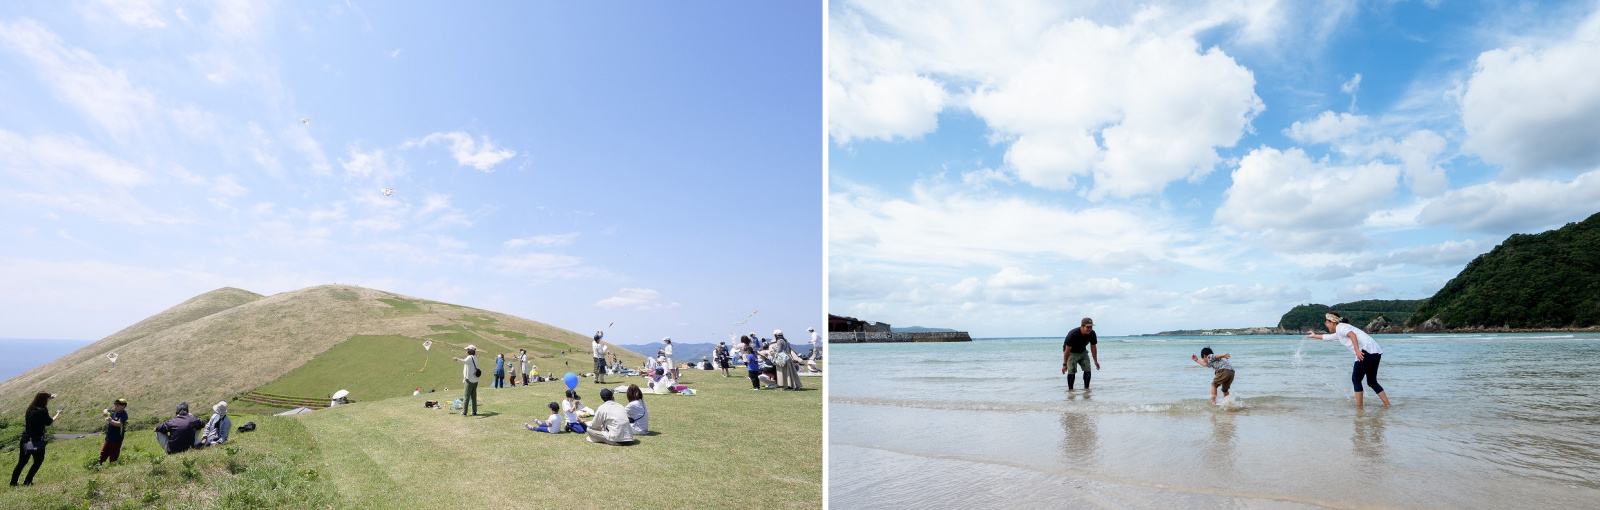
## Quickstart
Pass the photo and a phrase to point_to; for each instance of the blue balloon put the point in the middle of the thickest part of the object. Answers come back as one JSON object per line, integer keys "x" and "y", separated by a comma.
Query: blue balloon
{"x": 572, "y": 380}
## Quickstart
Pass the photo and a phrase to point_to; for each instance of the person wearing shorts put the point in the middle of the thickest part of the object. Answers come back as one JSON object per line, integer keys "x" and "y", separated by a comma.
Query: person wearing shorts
{"x": 1077, "y": 350}
{"x": 599, "y": 358}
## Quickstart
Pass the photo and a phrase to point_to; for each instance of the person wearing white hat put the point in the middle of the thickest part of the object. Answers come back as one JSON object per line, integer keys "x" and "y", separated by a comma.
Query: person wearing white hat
{"x": 216, "y": 431}
{"x": 469, "y": 375}
{"x": 1367, "y": 352}
{"x": 786, "y": 361}
{"x": 667, "y": 351}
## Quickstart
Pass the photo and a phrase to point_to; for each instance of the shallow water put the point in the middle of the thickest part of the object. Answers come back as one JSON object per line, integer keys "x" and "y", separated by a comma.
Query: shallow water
{"x": 1479, "y": 421}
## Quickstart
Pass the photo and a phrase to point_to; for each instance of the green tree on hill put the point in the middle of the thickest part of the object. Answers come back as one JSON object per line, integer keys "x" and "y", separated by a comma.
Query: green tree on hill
{"x": 1360, "y": 313}
{"x": 1547, "y": 280}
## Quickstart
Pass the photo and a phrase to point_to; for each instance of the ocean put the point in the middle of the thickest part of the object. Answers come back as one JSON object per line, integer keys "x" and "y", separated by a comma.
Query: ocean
{"x": 1479, "y": 421}
{"x": 18, "y": 355}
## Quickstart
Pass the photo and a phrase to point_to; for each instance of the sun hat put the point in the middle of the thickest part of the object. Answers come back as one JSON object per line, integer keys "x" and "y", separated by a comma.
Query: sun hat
{"x": 220, "y": 408}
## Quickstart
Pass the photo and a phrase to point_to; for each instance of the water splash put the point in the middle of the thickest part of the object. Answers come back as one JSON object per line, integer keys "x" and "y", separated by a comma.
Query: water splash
{"x": 1299, "y": 354}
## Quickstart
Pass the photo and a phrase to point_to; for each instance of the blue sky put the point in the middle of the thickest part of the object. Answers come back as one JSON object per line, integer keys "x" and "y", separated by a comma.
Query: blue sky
{"x": 578, "y": 164}
{"x": 1009, "y": 169}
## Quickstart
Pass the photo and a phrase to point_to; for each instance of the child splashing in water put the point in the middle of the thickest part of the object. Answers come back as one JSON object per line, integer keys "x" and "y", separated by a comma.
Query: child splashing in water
{"x": 1224, "y": 371}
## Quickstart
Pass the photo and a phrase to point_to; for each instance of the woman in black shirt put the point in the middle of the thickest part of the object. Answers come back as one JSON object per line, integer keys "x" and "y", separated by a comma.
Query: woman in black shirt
{"x": 38, "y": 417}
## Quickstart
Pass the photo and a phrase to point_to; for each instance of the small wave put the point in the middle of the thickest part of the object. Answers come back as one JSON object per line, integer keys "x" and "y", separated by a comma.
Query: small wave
{"x": 1184, "y": 406}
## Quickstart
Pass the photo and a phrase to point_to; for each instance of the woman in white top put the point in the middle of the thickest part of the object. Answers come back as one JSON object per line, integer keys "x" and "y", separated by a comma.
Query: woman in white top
{"x": 1367, "y": 352}
{"x": 638, "y": 414}
{"x": 667, "y": 351}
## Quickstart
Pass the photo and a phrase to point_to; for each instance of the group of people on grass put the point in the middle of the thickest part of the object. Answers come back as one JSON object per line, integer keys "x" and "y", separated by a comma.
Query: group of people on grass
{"x": 506, "y": 370}
{"x": 612, "y": 423}
{"x": 1366, "y": 350}
{"x": 178, "y": 434}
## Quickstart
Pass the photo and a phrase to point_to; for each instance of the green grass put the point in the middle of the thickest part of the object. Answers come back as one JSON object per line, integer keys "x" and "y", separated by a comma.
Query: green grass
{"x": 401, "y": 307}
{"x": 727, "y": 447}
{"x": 278, "y": 465}
{"x": 724, "y": 448}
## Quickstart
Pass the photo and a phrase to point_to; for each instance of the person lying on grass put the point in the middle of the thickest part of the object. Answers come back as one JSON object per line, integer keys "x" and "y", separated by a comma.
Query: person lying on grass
{"x": 610, "y": 424}
{"x": 553, "y": 425}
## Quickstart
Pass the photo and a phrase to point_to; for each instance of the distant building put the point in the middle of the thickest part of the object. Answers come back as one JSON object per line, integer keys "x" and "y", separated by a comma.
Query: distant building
{"x": 853, "y": 325}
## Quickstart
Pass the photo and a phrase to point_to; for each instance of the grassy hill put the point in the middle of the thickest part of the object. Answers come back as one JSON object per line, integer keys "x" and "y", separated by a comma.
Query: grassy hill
{"x": 306, "y": 344}
{"x": 1546, "y": 280}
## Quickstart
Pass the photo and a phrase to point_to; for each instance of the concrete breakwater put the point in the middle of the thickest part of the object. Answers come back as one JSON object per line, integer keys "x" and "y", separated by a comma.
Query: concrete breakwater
{"x": 856, "y": 337}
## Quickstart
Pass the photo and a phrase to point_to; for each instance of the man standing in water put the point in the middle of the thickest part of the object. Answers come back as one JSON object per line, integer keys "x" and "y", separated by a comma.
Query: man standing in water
{"x": 1073, "y": 354}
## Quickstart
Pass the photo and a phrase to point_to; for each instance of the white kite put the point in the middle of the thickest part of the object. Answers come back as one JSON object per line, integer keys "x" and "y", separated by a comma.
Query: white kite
{"x": 305, "y": 121}
{"x": 388, "y": 192}
{"x": 746, "y": 318}
{"x": 113, "y": 357}
{"x": 427, "y": 345}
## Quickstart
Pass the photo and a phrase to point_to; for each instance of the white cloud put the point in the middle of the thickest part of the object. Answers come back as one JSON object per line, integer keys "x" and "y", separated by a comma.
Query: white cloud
{"x": 1328, "y": 127}
{"x": 942, "y": 225}
{"x": 1523, "y": 206}
{"x": 79, "y": 79}
{"x": 1135, "y": 106}
{"x": 225, "y": 185}
{"x": 480, "y": 154}
{"x": 1230, "y": 294}
{"x": 1536, "y": 109}
{"x": 1016, "y": 278}
{"x": 545, "y": 240}
{"x": 66, "y": 174}
{"x": 395, "y": 53}
{"x": 1296, "y": 204}
{"x": 1362, "y": 291}
{"x": 1133, "y": 109}
{"x": 367, "y": 164}
{"x": 142, "y": 14}
{"x": 636, "y": 298}
{"x": 1442, "y": 255}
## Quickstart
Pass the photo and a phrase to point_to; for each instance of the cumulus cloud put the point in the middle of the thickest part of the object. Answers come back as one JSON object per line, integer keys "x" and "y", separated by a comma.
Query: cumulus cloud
{"x": 1134, "y": 110}
{"x": 1134, "y": 106}
{"x": 1296, "y": 204}
{"x": 1523, "y": 206}
{"x": 1536, "y": 108}
{"x": 1328, "y": 127}
{"x": 77, "y": 77}
{"x": 480, "y": 153}
{"x": 544, "y": 265}
{"x": 636, "y": 298}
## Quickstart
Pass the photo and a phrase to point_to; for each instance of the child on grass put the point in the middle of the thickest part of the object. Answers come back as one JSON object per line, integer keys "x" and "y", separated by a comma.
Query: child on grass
{"x": 553, "y": 425}
{"x": 1224, "y": 371}
{"x": 569, "y": 412}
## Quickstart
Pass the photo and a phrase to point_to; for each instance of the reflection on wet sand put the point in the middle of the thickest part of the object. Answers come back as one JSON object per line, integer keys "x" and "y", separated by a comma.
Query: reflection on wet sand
{"x": 1081, "y": 440}
{"x": 1220, "y": 453}
{"x": 1367, "y": 440}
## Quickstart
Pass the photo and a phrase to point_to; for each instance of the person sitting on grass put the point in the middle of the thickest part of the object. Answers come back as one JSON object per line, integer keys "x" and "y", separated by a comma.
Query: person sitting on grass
{"x": 216, "y": 431}
{"x": 178, "y": 434}
{"x": 610, "y": 424}
{"x": 553, "y": 425}
{"x": 1224, "y": 371}
{"x": 638, "y": 415}
{"x": 569, "y": 412}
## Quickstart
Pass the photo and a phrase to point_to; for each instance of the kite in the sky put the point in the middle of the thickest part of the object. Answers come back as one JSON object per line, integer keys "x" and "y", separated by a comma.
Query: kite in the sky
{"x": 305, "y": 121}
{"x": 113, "y": 357}
{"x": 388, "y": 192}
{"x": 746, "y": 318}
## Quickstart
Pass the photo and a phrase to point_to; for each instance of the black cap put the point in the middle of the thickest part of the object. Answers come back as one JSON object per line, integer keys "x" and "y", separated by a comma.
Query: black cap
{"x": 605, "y": 395}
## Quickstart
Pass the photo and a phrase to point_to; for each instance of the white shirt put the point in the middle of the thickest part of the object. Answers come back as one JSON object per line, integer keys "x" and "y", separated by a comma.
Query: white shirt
{"x": 523, "y": 359}
{"x": 1341, "y": 333}
{"x": 570, "y": 411}
{"x": 668, "y": 351}
{"x": 815, "y": 338}
{"x": 555, "y": 423}
{"x": 599, "y": 350}
{"x": 639, "y": 415}
{"x": 468, "y": 364}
